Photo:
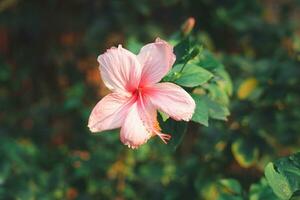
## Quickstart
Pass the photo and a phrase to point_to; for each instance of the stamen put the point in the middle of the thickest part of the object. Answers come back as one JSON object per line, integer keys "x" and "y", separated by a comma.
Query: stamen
{"x": 164, "y": 137}
{"x": 156, "y": 125}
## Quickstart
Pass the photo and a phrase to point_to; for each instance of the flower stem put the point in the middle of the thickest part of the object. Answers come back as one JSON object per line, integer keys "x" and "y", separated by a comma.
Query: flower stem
{"x": 184, "y": 64}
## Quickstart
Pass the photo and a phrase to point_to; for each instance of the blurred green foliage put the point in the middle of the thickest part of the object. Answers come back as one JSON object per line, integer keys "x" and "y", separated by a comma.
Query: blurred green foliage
{"x": 49, "y": 83}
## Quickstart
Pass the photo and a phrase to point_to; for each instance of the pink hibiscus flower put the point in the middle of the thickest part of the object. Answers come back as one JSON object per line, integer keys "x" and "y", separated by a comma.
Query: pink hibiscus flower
{"x": 136, "y": 94}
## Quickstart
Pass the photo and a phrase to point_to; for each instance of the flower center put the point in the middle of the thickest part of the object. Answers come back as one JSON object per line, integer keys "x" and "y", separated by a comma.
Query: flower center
{"x": 138, "y": 92}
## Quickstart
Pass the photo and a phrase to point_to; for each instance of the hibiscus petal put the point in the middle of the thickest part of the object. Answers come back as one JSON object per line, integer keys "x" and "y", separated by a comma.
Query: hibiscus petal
{"x": 133, "y": 131}
{"x": 173, "y": 100}
{"x": 120, "y": 70}
{"x": 148, "y": 114}
{"x": 147, "y": 111}
{"x": 110, "y": 112}
{"x": 157, "y": 59}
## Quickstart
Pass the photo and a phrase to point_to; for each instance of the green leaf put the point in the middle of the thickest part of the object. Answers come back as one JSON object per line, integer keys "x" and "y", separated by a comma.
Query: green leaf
{"x": 163, "y": 115}
{"x": 229, "y": 197}
{"x": 261, "y": 191}
{"x": 218, "y": 94}
{"x": 215, "y": 110}
{"x": 208, "y": 61}
{"x": 224, "y": 81}
{"x": 201, "y": 111}
{"x": 192, "y": 75}
{"x": 232, "y": 186}
{"x": 283, "y": 176}
{"x": 182, "y": 49}
{"x": 244, "y": 152}
{"x": 278, "y": 182}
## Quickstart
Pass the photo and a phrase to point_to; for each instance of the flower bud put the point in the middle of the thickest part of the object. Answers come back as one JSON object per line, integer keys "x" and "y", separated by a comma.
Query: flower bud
{"x": 188, "y": 25}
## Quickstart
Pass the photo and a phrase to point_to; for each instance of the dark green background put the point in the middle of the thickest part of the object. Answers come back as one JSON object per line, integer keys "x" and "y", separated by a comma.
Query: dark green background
{"x": 49, "y": 83}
